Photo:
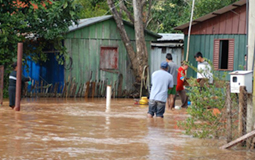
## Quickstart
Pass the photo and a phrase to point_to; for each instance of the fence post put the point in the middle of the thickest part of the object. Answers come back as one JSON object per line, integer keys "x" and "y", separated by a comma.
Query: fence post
{"x": 249, "y": 124}
{"x": 1, "y": 84}
{"x": 229, "y": 115}
{"x": 242, "y": 111}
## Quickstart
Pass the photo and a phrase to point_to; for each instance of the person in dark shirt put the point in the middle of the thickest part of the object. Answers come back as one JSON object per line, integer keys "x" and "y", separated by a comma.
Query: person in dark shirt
{"x": 12, "y": 84}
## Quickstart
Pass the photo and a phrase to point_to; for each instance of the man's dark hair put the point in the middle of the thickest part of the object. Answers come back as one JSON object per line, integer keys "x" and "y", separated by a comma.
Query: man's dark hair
{"x": 245, "y": 55}
{"x": 198, "y": 54}
{"x": 169, "y": 56}
{"x": 14, "y": 65}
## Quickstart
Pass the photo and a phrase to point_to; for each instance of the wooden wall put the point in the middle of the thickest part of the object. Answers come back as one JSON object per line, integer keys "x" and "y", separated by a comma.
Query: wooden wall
{"x": 232, "y": 22}
{"x": 83, "y": 45}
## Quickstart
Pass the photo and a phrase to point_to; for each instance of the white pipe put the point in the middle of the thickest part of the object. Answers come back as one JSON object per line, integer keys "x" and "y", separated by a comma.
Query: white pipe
{"x": 108, "y": 97}
{"x": 190, "y": 25}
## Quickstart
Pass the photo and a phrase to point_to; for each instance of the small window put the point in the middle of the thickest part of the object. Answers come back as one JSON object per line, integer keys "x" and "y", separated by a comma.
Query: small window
{"x": 223, "y": 57}
{"x": 109, "y": 58}
{"x": 223, "y": 54}
{"x": 234, "y": 79}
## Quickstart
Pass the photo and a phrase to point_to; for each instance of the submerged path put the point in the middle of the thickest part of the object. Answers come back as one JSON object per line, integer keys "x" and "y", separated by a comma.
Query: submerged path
{"x": 82, "y": 129}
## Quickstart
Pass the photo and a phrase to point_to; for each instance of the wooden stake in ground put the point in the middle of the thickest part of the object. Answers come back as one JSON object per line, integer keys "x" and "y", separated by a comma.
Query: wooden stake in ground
{"x": 238, "y": 140}
{"x": 1, "y": 84}
{"x": 242, "y": 111}
{"x": 229, "y": 115}
{"x": 18, "y": 81}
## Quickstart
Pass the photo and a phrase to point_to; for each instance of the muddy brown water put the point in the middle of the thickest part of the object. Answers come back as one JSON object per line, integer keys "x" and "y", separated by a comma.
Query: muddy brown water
{"x": 83, "y": 129}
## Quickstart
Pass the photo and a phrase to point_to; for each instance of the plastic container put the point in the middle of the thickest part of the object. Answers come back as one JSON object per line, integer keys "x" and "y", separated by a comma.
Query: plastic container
{"x": 143, "y": 101}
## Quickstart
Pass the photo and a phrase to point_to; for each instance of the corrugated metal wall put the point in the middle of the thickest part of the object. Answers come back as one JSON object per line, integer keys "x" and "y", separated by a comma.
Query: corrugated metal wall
{"x": 83, "y": 45}
{"x": 205, "y": 44}
{"x": 157, "y": 57}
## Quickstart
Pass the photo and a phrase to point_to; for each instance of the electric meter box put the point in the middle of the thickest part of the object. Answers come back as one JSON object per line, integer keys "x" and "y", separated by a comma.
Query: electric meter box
{"x": 240, "y": 78}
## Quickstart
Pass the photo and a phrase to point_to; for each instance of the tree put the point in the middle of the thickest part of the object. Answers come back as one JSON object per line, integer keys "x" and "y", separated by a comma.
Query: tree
{"x": 167, "y": 14}
{"x": 204, "y": 7}
{"x": 139, "y": 18}
{"x": 92, "y": 8}
{"x": 39, "y": 24}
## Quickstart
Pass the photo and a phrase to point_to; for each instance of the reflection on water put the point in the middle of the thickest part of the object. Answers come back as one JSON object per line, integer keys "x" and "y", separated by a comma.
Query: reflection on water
{"x": 84, "y": 129}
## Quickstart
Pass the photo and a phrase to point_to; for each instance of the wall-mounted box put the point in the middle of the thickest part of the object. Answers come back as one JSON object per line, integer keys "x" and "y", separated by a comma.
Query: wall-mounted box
{"x": 240, "y": 78}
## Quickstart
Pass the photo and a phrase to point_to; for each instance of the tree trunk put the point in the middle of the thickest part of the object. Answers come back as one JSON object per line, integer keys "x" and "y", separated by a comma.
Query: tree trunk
{"x": 139, "y": 59}
{"x": 141, "y": 49}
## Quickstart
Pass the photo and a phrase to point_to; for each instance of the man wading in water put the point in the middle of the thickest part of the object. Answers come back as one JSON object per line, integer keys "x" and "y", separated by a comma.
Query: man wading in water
{"x": 12, "y": 84}
{"x": 161, "y": 81}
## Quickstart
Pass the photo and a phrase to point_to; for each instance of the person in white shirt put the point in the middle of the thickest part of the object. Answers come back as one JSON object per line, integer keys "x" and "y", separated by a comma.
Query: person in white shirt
{"x": 204, "y": 70}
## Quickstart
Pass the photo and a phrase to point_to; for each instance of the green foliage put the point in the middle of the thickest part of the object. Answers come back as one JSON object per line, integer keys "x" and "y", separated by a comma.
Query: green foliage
{"x": 205, "y": 97}
{"x": 203, "y": 7}
{"x": 167, "y": 14}
{"x": 40, "y": 28}
{"x": 92, "y": 8}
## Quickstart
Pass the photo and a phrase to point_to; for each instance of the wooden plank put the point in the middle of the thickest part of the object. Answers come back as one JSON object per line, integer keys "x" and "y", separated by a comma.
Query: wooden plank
{"x": 229, "y": 114}
{"x": 120, "y": 81}
{"x": 229, "y": 23}
{"x": 87, "y": 89}
{"x": 93, "y": 89}
{"x": 242, "y": 21}
{"x": 238, "y": 140}
{"x": 216, "y": 54}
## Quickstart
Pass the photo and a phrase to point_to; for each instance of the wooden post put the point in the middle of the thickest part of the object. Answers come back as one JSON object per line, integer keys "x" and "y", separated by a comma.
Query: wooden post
{"x": 18, "y": 81}
{"x": 249, "y": 124}
{"x": 238, "y": 140}
{"x": 229, "y": 115}
{"x": 190, "y": 25}
{"x": 93, "y": 89}
{"x": 87, "y": 89}
{"x": 1, "y": 84}
{"x": 120, "y": 81}
{"x": 242, "y": 111}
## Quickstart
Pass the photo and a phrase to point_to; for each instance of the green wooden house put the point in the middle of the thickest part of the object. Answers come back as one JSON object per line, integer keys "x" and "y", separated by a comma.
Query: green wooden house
{"x": 98, "y": 53}
{"x": 220, "y": 36}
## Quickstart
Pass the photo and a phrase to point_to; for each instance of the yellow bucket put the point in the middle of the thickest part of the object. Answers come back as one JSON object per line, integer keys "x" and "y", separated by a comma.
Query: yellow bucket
{"x": 143, "y": 101}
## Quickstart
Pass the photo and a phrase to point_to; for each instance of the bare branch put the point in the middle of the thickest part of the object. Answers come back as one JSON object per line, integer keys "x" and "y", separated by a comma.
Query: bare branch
{"x": 121, "y": 28}
{"x": 124, "y": 8}
{"x": 148, "y": 22}
{"x": 143, "y": 3}
{"x": 148, "y": 14}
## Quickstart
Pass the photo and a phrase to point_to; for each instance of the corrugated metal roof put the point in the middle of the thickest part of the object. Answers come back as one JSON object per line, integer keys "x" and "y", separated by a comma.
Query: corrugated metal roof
{"x": 90, "y": 21}
{"x": 169, "y": 44}
{"x": 171, "y": 37}
{"x": 213, "y": 14}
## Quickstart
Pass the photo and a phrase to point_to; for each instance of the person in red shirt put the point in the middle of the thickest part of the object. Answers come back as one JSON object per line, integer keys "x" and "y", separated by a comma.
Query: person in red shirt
{"x": 180, "y": 84}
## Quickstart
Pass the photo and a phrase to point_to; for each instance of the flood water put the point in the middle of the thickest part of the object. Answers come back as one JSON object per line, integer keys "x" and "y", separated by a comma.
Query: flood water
{"x": 83, "y": 129}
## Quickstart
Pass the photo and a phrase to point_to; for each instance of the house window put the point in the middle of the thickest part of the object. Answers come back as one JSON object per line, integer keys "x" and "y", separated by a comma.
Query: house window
{"x": 223, "y": 57}
{"x": 109, "y": 57}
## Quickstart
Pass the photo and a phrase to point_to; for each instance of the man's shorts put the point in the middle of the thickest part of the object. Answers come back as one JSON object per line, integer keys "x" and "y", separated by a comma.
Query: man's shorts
{"x": 156, "y": 107}
{"x": 172, "y": 91}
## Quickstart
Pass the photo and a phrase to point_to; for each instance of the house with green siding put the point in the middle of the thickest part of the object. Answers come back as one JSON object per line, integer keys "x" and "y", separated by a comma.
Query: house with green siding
{"x": 98, "y": 53}
{"x": 220, "y": 36}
